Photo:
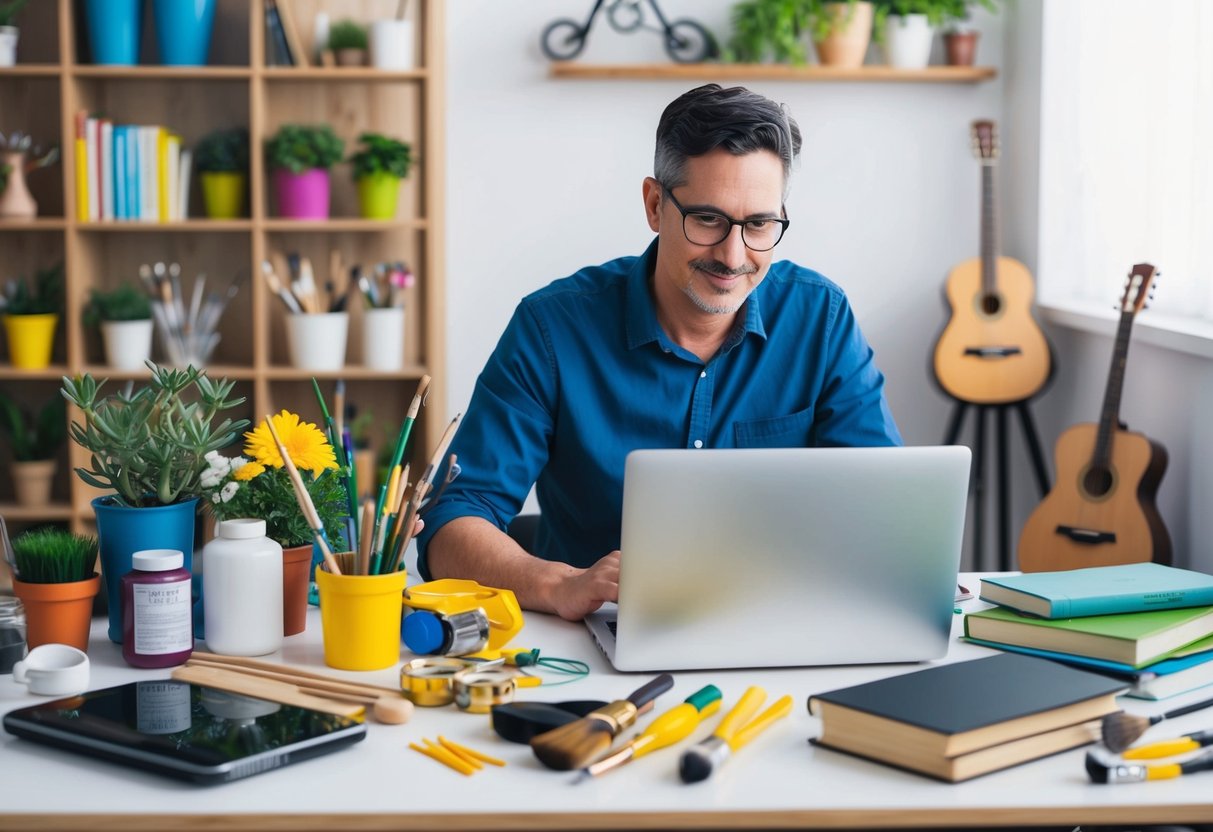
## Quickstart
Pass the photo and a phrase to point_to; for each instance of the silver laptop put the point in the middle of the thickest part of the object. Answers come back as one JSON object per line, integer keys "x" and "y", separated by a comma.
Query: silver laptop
{"x": 786, "y": 557}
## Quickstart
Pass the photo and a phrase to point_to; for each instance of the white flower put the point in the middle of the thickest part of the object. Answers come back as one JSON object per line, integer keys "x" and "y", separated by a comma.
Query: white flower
{"x": 210, "y": 478}
{"x": 229, "y": 491}
{"x": 238, "y": 462}
{"x": 220, "y": 465}
{"x": 215, "y": 497}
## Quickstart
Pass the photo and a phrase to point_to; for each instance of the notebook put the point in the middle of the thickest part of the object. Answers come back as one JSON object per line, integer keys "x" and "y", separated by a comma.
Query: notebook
{"x": 786, "y": 557}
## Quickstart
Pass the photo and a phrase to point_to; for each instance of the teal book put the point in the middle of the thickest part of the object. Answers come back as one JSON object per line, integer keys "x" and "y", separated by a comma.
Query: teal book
{"x": 1100, "y": 590}
{"x": 1135, "y": 639}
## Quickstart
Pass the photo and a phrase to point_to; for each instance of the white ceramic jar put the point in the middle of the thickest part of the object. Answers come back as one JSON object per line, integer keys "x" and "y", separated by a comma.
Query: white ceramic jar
{"x": 242, "y": 590}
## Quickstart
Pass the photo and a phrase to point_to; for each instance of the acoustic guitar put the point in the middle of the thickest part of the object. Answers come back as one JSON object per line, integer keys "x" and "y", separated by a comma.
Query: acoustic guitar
{"x": 992, "y": 351}
{"x": 1101, "y": 512}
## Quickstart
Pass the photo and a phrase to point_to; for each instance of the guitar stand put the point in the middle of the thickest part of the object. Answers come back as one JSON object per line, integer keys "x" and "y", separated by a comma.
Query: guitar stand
{"x": 977, "y": 484}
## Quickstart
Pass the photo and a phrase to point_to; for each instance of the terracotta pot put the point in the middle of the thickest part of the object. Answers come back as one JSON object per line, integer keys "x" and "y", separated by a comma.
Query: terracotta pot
{"x": 296, "y": 563}
{"x": 58, "y": 613}
{"x": 961, "y": 47}
{"x": 351, "y": 57}
{"x": 849, "y": 44}
{"x": 32, "y": 481}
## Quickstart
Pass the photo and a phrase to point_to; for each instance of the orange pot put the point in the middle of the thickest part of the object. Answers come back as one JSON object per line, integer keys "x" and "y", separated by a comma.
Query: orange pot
{"x": 296, "y": 563}
{"x": 58, "y": 613}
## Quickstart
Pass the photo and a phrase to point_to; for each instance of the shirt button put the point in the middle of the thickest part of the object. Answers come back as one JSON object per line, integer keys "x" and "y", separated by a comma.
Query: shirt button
{"x": 703, "y": 374}
{"x": 698, "y": 443}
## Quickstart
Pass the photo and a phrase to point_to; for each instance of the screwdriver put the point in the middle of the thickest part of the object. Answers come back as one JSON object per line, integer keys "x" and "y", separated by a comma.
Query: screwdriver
{"x": 675, "y": 724}
{"x": 734, "y": 731}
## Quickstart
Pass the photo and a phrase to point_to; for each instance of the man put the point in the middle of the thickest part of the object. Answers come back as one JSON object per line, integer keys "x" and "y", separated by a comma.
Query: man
{"x": 701, "y": 342}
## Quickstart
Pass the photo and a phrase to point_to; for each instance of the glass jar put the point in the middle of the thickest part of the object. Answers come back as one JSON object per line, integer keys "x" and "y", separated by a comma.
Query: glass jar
{"x": 157, "y": 610}
{"x": 12, "y": 632}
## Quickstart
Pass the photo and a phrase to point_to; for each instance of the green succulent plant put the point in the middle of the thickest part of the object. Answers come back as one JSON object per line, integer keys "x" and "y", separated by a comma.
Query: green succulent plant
{"x": 223, "y": 151}
{"x": 380, "y": 154}
{"x": 346, "y": 34}
{"x": 33, "y": 437}
{"x": 126, "y": 303}
{"x": 54, "y": 556}
{"x": 301, "y": 147}
{"x": 45, "y": 298}
{"x": 150, "y": 445}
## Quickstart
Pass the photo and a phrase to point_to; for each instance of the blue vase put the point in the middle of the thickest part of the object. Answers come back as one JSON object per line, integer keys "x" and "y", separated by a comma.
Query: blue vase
{"x": 122, "y": 531}
{"x": 113, "y": 30}
{"x": 183, "y": 30}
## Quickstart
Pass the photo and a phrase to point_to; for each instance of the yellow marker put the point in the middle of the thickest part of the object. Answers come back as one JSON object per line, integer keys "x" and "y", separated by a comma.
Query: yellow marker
{"x": 734, "y": 731}
{"x": 674, "y": 725}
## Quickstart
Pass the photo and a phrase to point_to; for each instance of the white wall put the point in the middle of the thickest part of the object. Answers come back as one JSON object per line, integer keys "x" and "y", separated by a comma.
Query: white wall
{"x": 544, "y": 177}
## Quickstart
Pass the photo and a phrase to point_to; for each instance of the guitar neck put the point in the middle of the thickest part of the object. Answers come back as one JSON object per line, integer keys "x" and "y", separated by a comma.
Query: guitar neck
{"x": 989, "y": 228}
{"x": 1109, "y": 417}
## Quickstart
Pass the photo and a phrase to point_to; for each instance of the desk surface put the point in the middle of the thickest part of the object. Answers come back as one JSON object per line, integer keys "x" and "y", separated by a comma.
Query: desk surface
{"x": 778, "y": 781}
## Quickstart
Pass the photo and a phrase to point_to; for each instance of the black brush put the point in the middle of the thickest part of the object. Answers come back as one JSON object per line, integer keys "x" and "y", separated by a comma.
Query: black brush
{"x": 1120, "y": 730}
{"x": 580, "y": 743}
{"x": 521, "y": 722}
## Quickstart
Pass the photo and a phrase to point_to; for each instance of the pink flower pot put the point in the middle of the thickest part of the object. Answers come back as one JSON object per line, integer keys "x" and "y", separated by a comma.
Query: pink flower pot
{"x": 302, "y": 196}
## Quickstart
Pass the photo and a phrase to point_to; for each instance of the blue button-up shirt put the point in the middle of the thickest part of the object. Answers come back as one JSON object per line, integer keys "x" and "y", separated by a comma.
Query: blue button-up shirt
{"x": 584, "y": 374}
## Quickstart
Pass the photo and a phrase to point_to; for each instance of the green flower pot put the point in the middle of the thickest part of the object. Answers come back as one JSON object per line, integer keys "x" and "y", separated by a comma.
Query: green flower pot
{"x": 377, "y": 196}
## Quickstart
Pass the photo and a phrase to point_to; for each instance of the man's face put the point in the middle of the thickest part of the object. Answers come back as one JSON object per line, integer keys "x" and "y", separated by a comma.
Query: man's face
{"x": 693, "y": 280}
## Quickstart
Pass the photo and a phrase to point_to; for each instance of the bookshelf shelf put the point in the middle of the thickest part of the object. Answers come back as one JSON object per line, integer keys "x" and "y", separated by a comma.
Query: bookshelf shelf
{"x": 771, "y": 72}
{"x": 241, "y": 90}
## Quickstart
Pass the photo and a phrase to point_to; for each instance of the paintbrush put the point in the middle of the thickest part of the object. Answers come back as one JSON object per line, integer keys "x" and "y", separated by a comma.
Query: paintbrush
{"x": 1103, "y": 768}
{"x": 424, "y": 483}
{"x": 1120, "y": 730}
{"x": 734, "y": 731}
{"x": 579, "y": 743}
{"x": 304, "y": 500}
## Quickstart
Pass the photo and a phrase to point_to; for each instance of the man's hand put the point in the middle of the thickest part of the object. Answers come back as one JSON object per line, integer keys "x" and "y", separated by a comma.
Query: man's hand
{"x": 584, "y": 590}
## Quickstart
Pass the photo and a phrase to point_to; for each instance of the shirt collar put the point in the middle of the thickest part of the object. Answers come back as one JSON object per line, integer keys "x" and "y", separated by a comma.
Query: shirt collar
{"x": 642, "y": 326}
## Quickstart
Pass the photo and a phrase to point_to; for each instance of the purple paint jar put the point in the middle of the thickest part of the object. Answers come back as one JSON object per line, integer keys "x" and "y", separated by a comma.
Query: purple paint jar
{"x": 157, "y": 612}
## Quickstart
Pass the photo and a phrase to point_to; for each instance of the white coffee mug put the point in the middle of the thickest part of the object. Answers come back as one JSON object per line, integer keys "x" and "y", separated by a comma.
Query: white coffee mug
{"x": 53, "y": 670}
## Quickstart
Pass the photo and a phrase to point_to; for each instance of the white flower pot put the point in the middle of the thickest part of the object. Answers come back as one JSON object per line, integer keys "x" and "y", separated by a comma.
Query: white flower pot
{"x": 8, "y": 45}
{"x": 907, "y": 41}
{"x": 392, "y": 44}
{"x": 383, "y": 338}
{"x": 317, "y": 342}
{"x": 127, "y": 343}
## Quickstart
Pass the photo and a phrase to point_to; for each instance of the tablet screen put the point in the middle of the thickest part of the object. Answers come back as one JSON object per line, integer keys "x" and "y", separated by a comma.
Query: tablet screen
{"x": 185, "y": 730}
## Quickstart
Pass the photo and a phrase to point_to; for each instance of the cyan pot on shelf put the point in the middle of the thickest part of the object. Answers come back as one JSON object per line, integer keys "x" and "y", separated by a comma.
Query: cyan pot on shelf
{"x": 183, "y": 30}
{"x": 113, "y": 30}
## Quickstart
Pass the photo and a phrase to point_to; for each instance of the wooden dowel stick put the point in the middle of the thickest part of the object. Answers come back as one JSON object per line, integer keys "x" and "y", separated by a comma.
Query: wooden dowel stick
{"x": 243, "y": 662}
{"x": 304, "y": 499}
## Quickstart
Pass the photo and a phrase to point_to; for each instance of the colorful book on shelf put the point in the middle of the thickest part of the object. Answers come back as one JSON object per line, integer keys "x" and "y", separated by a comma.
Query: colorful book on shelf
{"x": 92, "y": 145}
{"x": 276, "y": 49}
{"x": 955, "y": 721}
{"x": 291, "y": 32}
{"x": 1183, "y": 670}
{"x": 105, "y": 168}
{"x": 1100, "y": 590}
{"x": 81, "y": 153}
{"x": 119, "y": 168}
{"x": 1136, "y": 638}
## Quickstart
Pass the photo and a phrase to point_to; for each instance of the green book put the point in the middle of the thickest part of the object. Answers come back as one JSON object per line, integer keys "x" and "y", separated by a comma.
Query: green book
{"x": 1100, "y": 590}
{"x": 1136, "y": 638}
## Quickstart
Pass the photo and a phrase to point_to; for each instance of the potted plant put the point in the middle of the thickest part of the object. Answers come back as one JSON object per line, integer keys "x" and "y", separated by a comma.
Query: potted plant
{"x": 54, "y": 575}
{"x": 18, "y": 157}
{"x": 300, "y": 157}
{"x": 9, "y": 34}
{"x": 840, "y": 31}
{"x": 775, "y": 29}
{"x": 222, "y": 161}
{"x": 125, "y": 317}
{"x": 960, "y": 38}
{"x": 34, "y": 440}
{"x": 380, "y": 164}
{"x": 30, "y": 317}
{"x": 256, "y": 485}
{"x": 348, "y": 40}
{"x": 905, "y": 28}
{"x": 149, "y": 448}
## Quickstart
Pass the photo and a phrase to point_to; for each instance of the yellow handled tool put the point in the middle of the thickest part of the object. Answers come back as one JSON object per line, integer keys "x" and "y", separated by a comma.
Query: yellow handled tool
{"x": 1167, "y": 748}
{"x": 734, "y": 731}
{"x": 673, "y": 726}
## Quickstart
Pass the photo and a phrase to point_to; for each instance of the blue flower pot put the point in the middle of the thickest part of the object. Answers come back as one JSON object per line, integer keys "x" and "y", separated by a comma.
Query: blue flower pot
{"x": 122, "y": 531}
{"x": 183, "y": 30}
{"x": 113, "y": 30}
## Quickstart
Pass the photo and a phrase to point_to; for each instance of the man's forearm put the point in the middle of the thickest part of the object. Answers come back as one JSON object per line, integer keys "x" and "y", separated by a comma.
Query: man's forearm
{"x": 475, "y": 549}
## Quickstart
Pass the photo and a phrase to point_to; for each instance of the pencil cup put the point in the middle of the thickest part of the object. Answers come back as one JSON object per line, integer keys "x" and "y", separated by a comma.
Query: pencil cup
{"x": 360, "y": 619}
{"x": 392, "y": 44}
{"x": 383, "y": 338}
{"x": 317, "y": 342}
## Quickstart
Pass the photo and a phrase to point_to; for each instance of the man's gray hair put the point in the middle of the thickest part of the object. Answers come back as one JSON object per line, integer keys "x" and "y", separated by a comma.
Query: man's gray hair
{"x": 736, "y": 119}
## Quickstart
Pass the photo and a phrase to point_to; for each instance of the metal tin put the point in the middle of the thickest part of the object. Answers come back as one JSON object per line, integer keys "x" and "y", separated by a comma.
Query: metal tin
{"x": 427, "y": 682}
{"x": 476, "y": 691}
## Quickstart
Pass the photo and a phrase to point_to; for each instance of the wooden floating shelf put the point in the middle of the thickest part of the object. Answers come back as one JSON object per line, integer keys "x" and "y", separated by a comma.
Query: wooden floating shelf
{"x": 342, "y": 224}
{"x": 772, "y": 72}
{"x": 31, "y": 70}
{"x": 51, "y": 511}
{"x": 150, "y": 73}
{"x": 176, "y": 225}
{"x": 237, "y": 373}
{"x": 348, "y": 373}
{"x": 51, "y": 373}
{"x": 40, "y": 224}
{"x": 353, "y": 73}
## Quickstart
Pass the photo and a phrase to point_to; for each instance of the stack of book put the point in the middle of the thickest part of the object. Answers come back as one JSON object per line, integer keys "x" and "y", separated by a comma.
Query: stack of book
{"x": 956, "y": 721}
{"x": 1146, "y": 624}
{"x": 129, "y": 172}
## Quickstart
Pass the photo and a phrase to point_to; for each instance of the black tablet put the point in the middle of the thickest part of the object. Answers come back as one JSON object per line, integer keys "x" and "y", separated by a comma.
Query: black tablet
{"x": 185, "y": 731}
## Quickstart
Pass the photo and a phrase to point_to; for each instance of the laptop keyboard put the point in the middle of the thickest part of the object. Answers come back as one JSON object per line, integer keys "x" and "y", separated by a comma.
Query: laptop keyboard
{"x": 612, "y": 625}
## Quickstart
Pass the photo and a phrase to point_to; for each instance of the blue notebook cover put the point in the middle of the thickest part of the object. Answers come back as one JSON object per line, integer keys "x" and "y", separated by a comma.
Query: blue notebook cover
{"x": 1100, "y": 590}
{"x": 1204, "y": 653}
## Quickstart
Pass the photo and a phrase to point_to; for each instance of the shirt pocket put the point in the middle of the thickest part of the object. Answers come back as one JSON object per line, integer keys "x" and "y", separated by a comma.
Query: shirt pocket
{"x": 791, "y": 431}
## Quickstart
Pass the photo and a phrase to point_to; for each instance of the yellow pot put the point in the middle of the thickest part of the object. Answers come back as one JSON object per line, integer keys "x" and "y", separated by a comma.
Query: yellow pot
{"x": 30, "y": 340}
{"x": 223, "y": 195}
{"x": 360, "y": 619}
{"x": 377, "y": 196}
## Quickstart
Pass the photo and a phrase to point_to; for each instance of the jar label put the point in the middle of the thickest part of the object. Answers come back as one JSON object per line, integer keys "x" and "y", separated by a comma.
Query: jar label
{"x": 163, "y": 618}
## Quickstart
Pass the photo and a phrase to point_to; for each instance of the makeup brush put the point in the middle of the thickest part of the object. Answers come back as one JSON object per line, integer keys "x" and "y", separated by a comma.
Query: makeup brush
{"x": 306, "y": 507}
{"x": 1103, "y": 768}
{"x": 735, "y": 730}
{"x": 579, "y": 743}
{"x": 1120, "y": 730}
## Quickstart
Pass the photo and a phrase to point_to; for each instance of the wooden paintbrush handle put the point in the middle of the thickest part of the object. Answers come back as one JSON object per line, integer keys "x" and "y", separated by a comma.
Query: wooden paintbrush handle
{"x": 241, "y": 661}
{"x": 234, "y": 682}
{"x": 652, "y": 690}
{"x": 331, "y": 685}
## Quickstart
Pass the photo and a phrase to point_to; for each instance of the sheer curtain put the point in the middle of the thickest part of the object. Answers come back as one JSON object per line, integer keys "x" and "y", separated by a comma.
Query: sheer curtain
{"x": 1126, "y": 136}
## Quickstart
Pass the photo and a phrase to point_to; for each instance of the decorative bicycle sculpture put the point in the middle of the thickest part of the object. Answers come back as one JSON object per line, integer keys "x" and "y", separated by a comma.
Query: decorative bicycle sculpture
{"x": 685, "y": 40}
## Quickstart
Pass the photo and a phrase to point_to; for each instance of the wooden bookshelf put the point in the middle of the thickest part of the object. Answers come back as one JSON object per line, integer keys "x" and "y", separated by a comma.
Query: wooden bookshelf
{"x": 771, "y": 72}
{"x": 54, "y": 81}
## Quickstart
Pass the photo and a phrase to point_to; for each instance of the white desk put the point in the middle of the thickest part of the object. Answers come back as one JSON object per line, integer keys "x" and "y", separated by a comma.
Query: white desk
{"x": 779, "y": 781}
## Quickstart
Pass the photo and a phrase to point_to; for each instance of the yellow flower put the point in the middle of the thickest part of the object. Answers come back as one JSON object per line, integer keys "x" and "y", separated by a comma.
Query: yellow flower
{"x": 304, "y": 442}
{"x": 248, "y": 470}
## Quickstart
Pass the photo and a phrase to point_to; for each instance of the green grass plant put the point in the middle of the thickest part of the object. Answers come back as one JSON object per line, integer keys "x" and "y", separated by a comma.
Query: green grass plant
{"x": 54, "y": 556}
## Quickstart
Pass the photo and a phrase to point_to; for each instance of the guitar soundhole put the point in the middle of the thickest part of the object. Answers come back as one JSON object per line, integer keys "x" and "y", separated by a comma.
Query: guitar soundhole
{"x": 1097, "y": 482}
{"x": 991, "y": 304}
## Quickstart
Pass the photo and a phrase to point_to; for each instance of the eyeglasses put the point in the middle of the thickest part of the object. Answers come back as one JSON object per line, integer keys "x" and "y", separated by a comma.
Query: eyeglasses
{"x": 706, "y": 228}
